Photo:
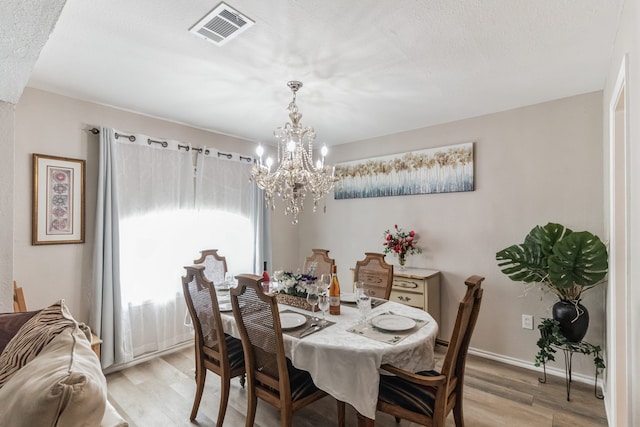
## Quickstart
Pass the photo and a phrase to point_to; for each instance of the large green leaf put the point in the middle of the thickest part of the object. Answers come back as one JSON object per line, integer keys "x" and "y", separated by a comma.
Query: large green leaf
{"x": 546, "y": 237}
{"x": 558, "y": 256}
{"x": 528, "y": 262}
{"x": 580, "y": 258}
{"x": 523, "y": 263}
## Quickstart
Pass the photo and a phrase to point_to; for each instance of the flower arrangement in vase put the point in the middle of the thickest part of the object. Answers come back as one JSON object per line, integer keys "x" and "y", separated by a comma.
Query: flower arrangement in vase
{"x": 401, "y": 243}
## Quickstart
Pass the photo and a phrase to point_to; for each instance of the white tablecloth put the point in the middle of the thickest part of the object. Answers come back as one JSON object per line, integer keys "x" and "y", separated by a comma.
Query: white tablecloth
{"x": 346, "y": 365}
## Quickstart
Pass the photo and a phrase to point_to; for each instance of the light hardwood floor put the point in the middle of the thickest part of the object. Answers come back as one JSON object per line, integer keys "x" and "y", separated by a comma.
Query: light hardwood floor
{"x": 160, "y": 393}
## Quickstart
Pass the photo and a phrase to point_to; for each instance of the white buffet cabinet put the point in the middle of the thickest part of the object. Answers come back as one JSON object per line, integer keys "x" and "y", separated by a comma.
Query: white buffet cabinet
{"x": 417, "y": 287}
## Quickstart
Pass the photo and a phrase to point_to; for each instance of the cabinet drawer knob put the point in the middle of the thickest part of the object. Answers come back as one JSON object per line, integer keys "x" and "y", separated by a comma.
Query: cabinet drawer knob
{"x": 401, "y": 298}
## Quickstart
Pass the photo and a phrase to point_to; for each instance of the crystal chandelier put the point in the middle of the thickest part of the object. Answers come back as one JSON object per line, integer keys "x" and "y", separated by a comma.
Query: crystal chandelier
{"x": 296, "y": 173}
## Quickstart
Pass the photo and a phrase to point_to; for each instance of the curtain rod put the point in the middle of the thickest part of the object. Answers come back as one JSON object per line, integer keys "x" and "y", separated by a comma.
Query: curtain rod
{"x": 164, "y": 144}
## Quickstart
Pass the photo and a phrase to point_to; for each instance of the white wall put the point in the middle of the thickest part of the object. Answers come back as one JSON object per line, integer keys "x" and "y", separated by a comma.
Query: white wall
{"x": 622, "y": 392}
{"x": 50, "y": 124}
{"x": 6, "y": 205}
{"x": 532, "y": 165}
{"x": 285, "y": 248}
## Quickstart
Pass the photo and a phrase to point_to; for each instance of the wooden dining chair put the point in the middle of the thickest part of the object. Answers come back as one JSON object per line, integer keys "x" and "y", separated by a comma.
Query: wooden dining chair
{"x": 427, "y": 397}
{"x": 215, "y": 351}
{"x": 376, "y": 275}
{"x": 19, "y": 303}
{"x": 215, "y": 265}
{"x": 270, "y": 374}
{"x": 324, "y": 264}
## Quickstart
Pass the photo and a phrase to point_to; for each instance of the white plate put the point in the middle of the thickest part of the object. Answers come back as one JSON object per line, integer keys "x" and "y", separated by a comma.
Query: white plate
{"x": 225, "y": 306}
{"x": 391, "y": 322}
{"x": 292, "y": 320}
{"x": 348, "y": 297}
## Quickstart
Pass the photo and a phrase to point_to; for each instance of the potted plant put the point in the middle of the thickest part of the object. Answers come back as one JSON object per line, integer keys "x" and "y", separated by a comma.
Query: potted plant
{"x": 564, "y": 261}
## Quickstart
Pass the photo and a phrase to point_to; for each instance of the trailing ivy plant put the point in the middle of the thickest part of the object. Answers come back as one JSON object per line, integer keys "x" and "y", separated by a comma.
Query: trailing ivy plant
{"x": 551, "y": 338}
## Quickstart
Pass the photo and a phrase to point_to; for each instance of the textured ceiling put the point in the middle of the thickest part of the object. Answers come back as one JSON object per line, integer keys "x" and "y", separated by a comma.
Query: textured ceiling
{"x": 24, "y": 28}
{"x": 369, "y": 68}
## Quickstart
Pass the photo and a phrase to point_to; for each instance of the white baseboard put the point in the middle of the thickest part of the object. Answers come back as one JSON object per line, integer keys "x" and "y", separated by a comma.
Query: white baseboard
{"x": 147, "y": 357}
{"x": 556, "y": 372}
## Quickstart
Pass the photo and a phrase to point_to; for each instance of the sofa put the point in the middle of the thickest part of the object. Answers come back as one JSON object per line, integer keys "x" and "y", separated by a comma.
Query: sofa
{"x": 49, "y": 375}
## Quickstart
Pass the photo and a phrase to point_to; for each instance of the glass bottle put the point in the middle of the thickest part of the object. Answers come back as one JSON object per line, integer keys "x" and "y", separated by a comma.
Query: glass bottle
{"x": 334, "y": 293}
{"x": 265, "y": 278}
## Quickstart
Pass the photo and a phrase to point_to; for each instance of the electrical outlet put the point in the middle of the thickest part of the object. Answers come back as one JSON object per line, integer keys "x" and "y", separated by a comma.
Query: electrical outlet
{"x": 527, "y": 321}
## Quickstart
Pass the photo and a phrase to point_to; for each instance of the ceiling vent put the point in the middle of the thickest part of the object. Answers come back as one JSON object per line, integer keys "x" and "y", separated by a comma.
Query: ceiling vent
{"x": 221, "y": 25}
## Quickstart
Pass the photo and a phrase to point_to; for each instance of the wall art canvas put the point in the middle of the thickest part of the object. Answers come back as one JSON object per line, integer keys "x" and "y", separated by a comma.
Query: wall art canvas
{"x": 434, "y": 170}
{"x": 58, "y": 200}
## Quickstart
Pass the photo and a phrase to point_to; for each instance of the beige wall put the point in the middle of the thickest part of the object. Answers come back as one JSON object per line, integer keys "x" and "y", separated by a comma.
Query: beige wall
{"x": 55, "y": 125}
{"x": 6, "y": 205}
{"x": 623, "y": 315}
{"x": 532, "y": 165}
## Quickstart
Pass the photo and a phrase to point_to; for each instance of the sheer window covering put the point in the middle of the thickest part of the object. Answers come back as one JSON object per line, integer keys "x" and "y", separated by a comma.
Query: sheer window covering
{"x": 153, "y": 217}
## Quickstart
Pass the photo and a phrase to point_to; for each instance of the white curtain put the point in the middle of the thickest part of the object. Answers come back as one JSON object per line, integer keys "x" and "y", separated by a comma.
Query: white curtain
{"x": 154, "y": 220}
{"x": 229, "y": 211}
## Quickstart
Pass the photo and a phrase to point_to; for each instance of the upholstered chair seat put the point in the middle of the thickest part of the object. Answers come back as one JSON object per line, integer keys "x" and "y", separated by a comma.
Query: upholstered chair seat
{"x": 411, "y": 396}
{"x": 234, "y": 353}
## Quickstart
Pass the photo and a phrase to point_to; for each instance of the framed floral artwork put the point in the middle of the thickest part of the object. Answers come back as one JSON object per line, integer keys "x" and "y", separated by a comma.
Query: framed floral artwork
{"x": 57, "y": 200}
{"x": 434, "y": 170}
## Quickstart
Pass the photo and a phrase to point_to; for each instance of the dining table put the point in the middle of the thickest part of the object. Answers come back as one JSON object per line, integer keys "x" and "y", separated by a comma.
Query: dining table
{"x": 344, "y": 358}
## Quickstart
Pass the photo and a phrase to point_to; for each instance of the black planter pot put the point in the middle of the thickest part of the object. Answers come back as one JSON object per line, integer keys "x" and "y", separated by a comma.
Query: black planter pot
{"x": 573, "y": 319}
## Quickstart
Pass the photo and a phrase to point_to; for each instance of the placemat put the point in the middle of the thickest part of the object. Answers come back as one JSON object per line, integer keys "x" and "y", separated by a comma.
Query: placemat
{"x": 389, "y": 337}
{"x": 375, "y": 302}
{"x": 296, "y": 332}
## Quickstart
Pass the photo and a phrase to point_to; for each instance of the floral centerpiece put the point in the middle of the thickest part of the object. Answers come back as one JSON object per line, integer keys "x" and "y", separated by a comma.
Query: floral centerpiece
{"x": 293, "y": 288}
{"x": 296, "y": 284}
{"x": 401, "y": 243}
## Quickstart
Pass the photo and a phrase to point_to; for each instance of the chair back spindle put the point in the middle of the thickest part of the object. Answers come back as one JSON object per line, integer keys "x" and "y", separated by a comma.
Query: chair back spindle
{"x": 215, "y": 265}
{"x": 376, "y": 274}
{"x": 324, "y": 264}
{"x": 19, "y": 303}
{"x": 202, "y": 303}
{"x": 468, "y": 309}
{"x": 258, "y": 321}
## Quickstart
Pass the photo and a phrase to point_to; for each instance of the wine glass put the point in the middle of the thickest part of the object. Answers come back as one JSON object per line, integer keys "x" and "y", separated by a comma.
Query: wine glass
{"x": 229, "y": 279}
{"x": 312, "y": 298}
{"x": 363, "y": 300}
{"x": 323, "y": 305}
{"x": 222, "y": 288}
{"x": 325, "y": 281}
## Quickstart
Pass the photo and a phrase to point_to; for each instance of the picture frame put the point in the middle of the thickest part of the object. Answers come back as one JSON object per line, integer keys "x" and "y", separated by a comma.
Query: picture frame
{"x": 447, "y": 169}
{"x": 58, "y": 200}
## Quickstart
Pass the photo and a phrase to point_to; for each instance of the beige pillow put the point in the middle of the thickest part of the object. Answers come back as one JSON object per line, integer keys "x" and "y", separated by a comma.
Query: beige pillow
{"x": 32, "y": 337}
{"x": 62, "y": 387}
